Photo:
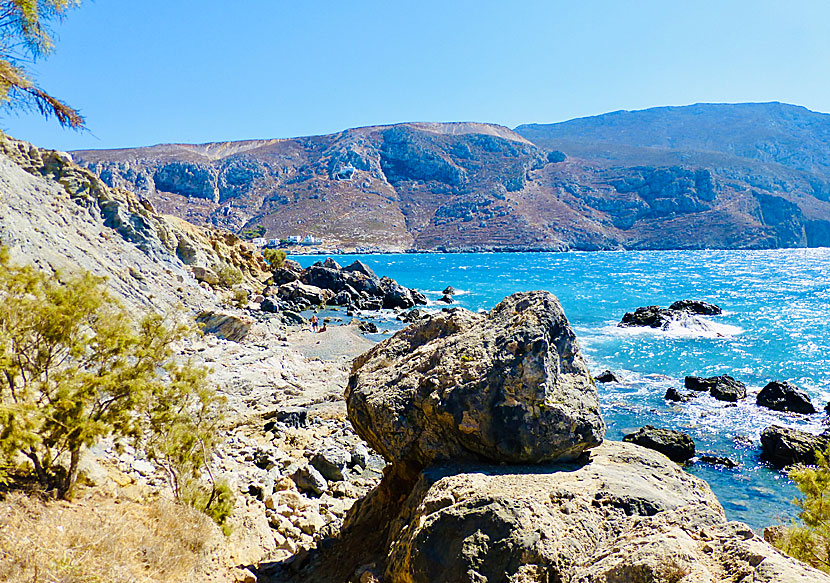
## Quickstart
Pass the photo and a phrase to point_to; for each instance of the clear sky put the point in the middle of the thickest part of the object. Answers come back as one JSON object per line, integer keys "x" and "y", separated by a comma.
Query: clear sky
{"x": 155, "y": 71}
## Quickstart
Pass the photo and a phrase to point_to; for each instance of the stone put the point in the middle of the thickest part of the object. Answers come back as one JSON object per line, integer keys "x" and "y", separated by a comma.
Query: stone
{"x": 717, "y": 460}
{"x": 648, "y": 316}
{"x": 507, "y": 386}
{"x": 413, "y": 315}
{"x": 782, "y": 396}
{"x": 419, "y": 298}
{"x": 224, "y": 325}
{"x": 245, "y": 576}
{"x": 607, "y": 376}
{"x": 446, "y": 299}
{"x": 722, "y": 388}
{"x": 449, "y": 291}
{"x": 675, "y": 445}
{"x": 331, "y": 264}
{"x": 673, "y": 394}
{"x": 359, "y": 456}
{"x": 283, "y": 275}
{"x": 296, "y": 290}
{"x": 783, "y": 446}
{"x": 290, "y": 417}
{"x": 310, "y": 522}
{"x": 269, "y": 305}
{"x": 626, "y": 515}
{"x": 309, "y": 480}
{"x": 205, "y": 274}
{"x": 395, "y": 295}
{"x": 360, "y": 267}
{"x": 342, "y": 298}
{"x": 143, "y": 467}
{"x": 331, "y": 463}
{"x": 368, "y": 327}
{"x": 696, "y": 307}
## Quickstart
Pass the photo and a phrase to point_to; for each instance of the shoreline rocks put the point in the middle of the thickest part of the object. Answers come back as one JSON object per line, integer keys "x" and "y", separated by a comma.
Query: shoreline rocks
{"x": 722, "y": 388}
{"x": 782, "y": 396}
{"x": 783, "y": 446}
{"x": 676, "y": 445}
{"x": 657, "y": 317}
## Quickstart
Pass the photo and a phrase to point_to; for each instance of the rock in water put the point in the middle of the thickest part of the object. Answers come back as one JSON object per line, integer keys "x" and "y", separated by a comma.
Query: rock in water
{"x": 647, "y": 316}
{"x": 607, "y": 376}
{"x": 506, "y": 386}
{"x": 782, "y": 396}
{"x": 722, "y": 388}
{"x": 783, "y": 446}
{"x": 675, "y": 445}
{"x": 696, "y": 307}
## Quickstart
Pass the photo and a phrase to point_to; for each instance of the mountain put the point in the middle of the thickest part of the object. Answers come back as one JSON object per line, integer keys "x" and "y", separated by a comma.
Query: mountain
{"x": 708, "y": 175}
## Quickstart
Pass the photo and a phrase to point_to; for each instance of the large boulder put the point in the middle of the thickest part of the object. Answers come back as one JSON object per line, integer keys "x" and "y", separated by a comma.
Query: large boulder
{"x": 295, "y": 290}
{"x": 647, "y": 316}
{"x": 722, "y": 388}
{"x": 675, "y": 445}
{"x": 783, "y": 446}
{"x": 626, "y": 515}
{"x": 360, "y": 267}
{"x": 395, "y": 295}
{"x": 506, "y": 386}
{"x": 782, "y": 396}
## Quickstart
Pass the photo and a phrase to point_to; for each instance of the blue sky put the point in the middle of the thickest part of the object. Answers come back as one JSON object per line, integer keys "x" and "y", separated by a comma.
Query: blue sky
{"x": 148, "y": 72}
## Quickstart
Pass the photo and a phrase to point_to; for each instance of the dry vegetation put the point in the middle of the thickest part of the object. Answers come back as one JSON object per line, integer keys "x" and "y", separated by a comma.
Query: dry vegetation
{"x": 102, "y": 540}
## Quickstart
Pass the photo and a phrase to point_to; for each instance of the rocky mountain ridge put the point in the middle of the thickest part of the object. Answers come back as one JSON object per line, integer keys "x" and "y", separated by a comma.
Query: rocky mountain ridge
{"x": 704, "y": 176}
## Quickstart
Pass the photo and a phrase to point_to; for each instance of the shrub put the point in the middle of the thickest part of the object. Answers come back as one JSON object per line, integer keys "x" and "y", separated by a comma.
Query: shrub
{"x": 75, "y": 368}
{"x": 274, "y": 257}
{"x": 229, "y": 275}
{"x": 810, "y": 542}
{"x": 239, "y": 298}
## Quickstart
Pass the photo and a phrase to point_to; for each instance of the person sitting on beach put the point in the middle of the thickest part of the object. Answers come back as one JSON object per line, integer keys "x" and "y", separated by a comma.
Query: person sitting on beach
{"x": 315, "y": 322}
{"x": 323, "y": 329}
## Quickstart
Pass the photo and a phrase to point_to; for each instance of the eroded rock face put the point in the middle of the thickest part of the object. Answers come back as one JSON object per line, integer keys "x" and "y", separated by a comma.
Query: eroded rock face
{"x": 509, "y": 386}
{"x": 676, "y": 445}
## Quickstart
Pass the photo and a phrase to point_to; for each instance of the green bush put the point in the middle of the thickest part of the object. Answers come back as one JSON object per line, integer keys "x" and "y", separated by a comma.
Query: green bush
{"x": 274, "y": 257}
{"x": 810, "y": 541}
{"x": 216, "y": 501}
{"x": 229, "y": 275}
{"x": 74, "y": 368}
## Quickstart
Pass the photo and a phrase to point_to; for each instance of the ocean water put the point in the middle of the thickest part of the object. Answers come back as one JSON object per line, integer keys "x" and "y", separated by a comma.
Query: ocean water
{"x": 775, "y": 326}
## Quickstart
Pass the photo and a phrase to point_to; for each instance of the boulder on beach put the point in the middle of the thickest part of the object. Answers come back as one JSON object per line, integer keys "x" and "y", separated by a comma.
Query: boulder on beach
{"x": 507, "y": 386}
{"x": 782, "y": 396}
{"x": 675, "y": 445}
{"x": 722, "y": 388}
{"x": 783, "y": 446}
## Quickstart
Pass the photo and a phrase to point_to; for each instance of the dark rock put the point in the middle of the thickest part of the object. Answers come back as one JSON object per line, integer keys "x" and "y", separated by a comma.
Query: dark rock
{"x": 295, "y": 291}
{"x": 269, "y": 305}
{"x": 291, "y": 317}
{"x": 696, "y": 307}
{"x": 447, "y": 299}
{"x": 648, "y": 316}
{"x": 360, "y": 456}
{"x": 607, "y": 377}
{"x": 331, "y": 463}
{"x": 716, "y": 460}
{"x": 368, "y": 327}
{"x": 294, "y": 417}
{"x": 331, "y": 264}
{"x": 674, "y": 395}
{"x": 281, "y": 275}
{"x": 449, "y": 291}
{"x": 309, "y": 480}
{"x": 783, "y": 446}
{"x": 414, "y": 315}
{"x": 342, "y": 298}
{"x": 509, "y": 386}
{"x": 360, "y": 267}
{"x": 371, "y": 304}
{"x": 419, "y": 298}
{"x": 395, "y": 295}
{"x": 722, "y": 388}
{"x": 782, "y": 396}
{"x": 676, "y": 445}
{"x": 293, "y": 266}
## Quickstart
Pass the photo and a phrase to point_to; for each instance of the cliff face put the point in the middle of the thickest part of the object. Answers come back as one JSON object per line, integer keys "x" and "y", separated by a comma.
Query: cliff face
{"x": 480, "y": 186}
{"x": 61, "y": 216}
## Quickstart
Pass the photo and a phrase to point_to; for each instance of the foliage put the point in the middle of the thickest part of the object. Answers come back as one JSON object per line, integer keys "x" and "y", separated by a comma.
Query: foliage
{"x": 253, "y": 232}
{"x": 274, "y": 257}
{"x": 239, "y": 298}
{"x": 811, "y": 542}
{"x": 229, "y": 275}
{"x": 25, "y": 37}
{"x": 74, "y": 368}
{"x": 216, "y": 501}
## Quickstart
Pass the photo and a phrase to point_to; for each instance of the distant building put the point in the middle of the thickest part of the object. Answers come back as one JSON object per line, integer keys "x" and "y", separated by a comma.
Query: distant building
{"x": 309, "y": 240}
{"x": 294, "y": 239}
{"x": 259, "y": 241}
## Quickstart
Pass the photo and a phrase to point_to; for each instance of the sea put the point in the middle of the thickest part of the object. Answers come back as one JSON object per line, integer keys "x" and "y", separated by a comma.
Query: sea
{"x": 775, "y": 326}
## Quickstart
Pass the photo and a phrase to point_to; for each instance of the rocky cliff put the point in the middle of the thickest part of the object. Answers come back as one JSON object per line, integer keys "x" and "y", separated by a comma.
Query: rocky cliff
{"x": 727, "y": 176}
{"x": 61, "y": 216}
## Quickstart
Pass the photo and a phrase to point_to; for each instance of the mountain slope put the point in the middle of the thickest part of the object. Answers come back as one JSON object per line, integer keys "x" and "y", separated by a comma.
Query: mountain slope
{"x": 625, "y": 183}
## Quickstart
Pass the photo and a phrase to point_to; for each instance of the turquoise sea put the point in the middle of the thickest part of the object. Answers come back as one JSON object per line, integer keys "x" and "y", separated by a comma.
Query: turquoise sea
{"x": 775, "y": 326}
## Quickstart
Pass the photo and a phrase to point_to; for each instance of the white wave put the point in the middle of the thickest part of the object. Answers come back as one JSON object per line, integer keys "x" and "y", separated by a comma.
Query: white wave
{"x": 682, "y": 326}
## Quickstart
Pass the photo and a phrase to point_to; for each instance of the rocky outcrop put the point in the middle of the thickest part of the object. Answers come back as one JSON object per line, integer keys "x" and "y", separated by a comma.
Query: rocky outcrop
{"x": 722, "y": 388}
{"x": 607, "y": 376}
{"x": 621, "y": 514}
{"x": 509, "y": 385}
{"x": 783, "y": 446}
{"x": 782, "y": 396}
{"x": 227, "y": 326}
{"x": 675, "y": 445}
{"x": 657, "y": 317}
